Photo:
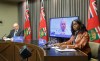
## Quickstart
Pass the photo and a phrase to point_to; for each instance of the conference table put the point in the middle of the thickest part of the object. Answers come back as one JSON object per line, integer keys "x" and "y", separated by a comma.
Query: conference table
{"x": 54, "y": 55}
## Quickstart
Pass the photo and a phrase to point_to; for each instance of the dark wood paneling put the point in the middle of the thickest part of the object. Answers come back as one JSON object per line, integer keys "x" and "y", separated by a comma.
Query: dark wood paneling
{"x": 11, "y": 52}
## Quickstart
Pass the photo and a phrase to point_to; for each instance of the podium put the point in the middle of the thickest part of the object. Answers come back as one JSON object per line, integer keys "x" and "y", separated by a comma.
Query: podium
{"x": 10, "y": 51}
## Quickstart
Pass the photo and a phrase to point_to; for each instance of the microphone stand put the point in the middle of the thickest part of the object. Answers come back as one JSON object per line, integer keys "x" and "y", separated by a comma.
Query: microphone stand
{"x": 46, "y": 46}
{"x": 26, "y": 59}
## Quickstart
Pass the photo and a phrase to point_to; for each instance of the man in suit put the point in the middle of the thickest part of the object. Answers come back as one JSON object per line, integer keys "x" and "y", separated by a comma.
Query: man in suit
{"x": 16, "y": 31}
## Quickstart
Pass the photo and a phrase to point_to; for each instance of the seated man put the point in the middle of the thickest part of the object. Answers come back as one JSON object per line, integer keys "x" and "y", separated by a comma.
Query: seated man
{"x": 16, "y": 31}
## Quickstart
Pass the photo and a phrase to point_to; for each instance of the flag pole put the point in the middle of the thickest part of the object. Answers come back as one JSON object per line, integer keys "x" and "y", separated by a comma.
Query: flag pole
{"x": 42, "y": 3}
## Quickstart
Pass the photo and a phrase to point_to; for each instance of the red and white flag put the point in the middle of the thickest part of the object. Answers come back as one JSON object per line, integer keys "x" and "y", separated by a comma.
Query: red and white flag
{"x": 42, "y": 33}
{"x": 27, "y": 26}
{"x": 93, "y": 24}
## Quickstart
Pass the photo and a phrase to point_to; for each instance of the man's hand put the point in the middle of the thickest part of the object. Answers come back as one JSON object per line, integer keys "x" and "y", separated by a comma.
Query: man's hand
{"x": 11, "y": 39}
{"x": 4, "y": 38}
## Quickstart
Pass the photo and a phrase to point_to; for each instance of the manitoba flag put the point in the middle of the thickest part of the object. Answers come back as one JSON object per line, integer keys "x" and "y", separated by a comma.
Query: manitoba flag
{"x": 93, "y": 24}
{"x": 27, "y": 27}
{"x": 42, "y": 35}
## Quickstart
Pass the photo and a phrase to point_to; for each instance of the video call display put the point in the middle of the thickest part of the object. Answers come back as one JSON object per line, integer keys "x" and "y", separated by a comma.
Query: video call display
{"x": 61, "y": 27}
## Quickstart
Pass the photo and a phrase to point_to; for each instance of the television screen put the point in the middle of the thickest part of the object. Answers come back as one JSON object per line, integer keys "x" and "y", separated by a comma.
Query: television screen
{"x": 61, "y": 27}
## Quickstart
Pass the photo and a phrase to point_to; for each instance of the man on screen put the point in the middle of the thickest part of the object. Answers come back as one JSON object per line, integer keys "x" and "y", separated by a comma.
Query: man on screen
{"x": 63, "y": 28}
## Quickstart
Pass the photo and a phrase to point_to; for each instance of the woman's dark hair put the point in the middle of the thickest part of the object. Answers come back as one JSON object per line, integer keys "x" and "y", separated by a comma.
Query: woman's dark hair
{"x": 81, "y": 29}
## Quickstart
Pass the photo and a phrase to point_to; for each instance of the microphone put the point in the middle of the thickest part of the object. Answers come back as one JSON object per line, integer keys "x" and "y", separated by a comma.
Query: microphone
{"x": 76, "y": 33}
{"x": 46, "y": 44}
{"x": 46, "y": 47}
{"x": 3, "y": 35}
{"x": 75, "y": 37}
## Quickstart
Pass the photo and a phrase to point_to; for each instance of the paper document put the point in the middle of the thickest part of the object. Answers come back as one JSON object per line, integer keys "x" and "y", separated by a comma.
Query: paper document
{"x": 7, "y": 39}
{"x": 55, "y": 47}
{"x": 65, "y": 49}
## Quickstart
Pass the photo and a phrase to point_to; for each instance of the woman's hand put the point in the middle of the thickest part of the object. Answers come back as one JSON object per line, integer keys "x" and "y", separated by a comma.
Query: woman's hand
{"x": 70, "y": 46}
{"x": 63, "y": 46}
{"x": 56, "y": 44}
